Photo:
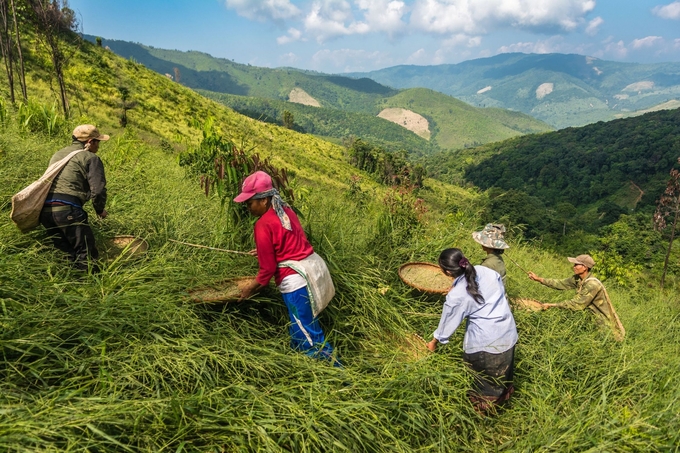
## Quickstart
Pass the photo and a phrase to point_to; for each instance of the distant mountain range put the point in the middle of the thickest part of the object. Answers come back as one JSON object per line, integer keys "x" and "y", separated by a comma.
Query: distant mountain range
{"x": 562, "y": 90}
{"x": 335, "y": 107}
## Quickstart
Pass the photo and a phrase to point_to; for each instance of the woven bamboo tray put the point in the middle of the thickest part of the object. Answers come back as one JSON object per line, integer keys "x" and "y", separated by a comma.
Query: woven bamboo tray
{"x": 225, "y": 291}
{"x": 426, "y": 277}
{"x": 527, "y": 304}
{"x": 130, "y": 246}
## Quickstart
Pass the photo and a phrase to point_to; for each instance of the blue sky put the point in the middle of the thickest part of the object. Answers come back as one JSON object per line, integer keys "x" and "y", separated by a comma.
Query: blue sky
{"x": 336, "y": 36}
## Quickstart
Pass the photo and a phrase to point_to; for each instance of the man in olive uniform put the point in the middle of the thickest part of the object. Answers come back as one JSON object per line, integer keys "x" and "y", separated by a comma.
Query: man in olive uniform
{"x": 81, "y": 179}
{"x": 590, "y": 293}
{"x": 493, "y": 243}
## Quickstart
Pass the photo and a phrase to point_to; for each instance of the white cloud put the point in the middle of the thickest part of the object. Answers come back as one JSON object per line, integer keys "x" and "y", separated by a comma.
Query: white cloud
{"x": 293, "y": 35}
{"x": 476, "y": 17}
{"x": 677, "y": 43}
{"x": 594, "y": 26}
{"x": 262, "y": 10}
{"x": 384, "y": 15}
{"x": 288, "y": 59}
{"x": 649, "y": 41}
{"x": 351, "y": 60}
{"x": 417, "y": 57}
{"x": 617, "y": 49}
{"x": 551, "y": 45}
{"x": 670, "y": 11}
{"x": 327, "y": 19}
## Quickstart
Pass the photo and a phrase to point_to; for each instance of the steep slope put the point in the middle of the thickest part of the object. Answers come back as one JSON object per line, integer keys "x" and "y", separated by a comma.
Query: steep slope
{"x": 455, "y": 124}
{"x": 124, "y": 361}
{"x": 223, "y": 78}
{"x": 562, "y": 90}
{"x": 202, "y": 71}
{"x": 333, "y": 124}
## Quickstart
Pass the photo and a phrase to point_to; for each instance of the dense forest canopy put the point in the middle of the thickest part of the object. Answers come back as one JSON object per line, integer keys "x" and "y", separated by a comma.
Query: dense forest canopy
{"x": 583, "y": 165}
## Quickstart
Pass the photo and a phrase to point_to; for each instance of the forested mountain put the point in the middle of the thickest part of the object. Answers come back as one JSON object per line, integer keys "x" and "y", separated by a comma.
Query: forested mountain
{"x": 450, "y": 123}
{"x": 562, "y": 90}
{"x": 586, "y": 176}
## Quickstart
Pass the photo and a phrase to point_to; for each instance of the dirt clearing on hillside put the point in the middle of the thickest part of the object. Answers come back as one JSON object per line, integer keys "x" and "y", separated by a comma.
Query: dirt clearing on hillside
{"x": 407, "y": 119}
{"x": 300, "y": 96}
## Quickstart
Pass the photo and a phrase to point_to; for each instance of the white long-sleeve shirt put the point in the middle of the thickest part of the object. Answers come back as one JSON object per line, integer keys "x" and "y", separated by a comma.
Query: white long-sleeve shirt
{"x": 490, "y": 325}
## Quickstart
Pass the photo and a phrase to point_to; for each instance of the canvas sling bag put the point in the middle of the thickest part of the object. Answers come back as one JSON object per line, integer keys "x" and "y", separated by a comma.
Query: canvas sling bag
{"x": 319, "y": 282}
{"x": 27, "y": 204}
{"x": 619, "y": 331}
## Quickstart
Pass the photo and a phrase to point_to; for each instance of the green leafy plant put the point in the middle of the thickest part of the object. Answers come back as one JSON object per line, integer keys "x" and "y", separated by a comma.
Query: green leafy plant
{"x": 221, "y": 167}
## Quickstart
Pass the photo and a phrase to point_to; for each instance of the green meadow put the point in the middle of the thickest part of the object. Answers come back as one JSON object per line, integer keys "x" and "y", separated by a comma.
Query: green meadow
{"x": 122, "y": 360}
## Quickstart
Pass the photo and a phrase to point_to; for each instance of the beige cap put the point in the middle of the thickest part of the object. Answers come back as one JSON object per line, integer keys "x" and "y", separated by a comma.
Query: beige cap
{"x": 586, "y": 260}
{"x": 85, "y": 132}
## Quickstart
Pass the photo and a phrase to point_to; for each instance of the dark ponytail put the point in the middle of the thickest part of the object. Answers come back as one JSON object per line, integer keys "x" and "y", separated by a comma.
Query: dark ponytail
{"x": 453, "y": 263}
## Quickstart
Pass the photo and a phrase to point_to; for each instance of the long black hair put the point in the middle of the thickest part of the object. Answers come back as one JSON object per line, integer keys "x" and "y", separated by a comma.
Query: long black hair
{"x": 453, "y": 263}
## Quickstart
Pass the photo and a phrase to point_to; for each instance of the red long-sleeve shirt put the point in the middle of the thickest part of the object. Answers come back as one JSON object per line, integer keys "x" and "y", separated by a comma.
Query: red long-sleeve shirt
{"x": 275, "y": 244}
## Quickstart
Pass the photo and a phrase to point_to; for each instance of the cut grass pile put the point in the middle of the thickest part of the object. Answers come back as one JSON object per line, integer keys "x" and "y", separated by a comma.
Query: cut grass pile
{"x": 120, "y": 361}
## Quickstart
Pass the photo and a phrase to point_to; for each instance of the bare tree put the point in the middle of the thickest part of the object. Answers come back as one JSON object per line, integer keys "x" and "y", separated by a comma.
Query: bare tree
{"x": 17, "y": 34}
{"x": 6, "y": 46}
{"x": 668, "y": 205}
{"x": 56, "y": 25}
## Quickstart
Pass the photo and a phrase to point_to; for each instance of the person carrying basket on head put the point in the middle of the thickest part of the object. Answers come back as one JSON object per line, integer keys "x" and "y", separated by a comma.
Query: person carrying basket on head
{"x": 283, "y": 252}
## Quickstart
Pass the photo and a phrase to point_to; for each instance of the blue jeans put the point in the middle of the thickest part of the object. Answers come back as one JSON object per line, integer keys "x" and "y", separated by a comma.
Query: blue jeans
{"x": 305, "y": 331}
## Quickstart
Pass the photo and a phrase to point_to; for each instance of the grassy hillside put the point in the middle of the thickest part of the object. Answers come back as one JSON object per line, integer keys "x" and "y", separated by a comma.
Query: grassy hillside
{"x": 202, "y": 71}
{"x": 583, "y": 89}
{"x": 325, "y": 122}
{"x": 456, "y": 124}
{"x": 122, "y": 361}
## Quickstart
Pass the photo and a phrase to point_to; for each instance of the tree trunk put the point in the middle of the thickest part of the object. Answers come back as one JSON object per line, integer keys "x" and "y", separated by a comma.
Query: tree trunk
{"x": 22, "y": 72}
{"x": 6, "y": 45}
{"x": 670, "y": 243}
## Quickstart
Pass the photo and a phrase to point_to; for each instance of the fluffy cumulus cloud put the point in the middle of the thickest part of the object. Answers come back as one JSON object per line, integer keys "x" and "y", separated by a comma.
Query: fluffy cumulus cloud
{"x": 478, "y": 17}
{"x": 670, "y": 11}
{"x": 293, "y": 35}
{"x": 594, "y": 26}
{"x": 274, "y": 10}
{"x": 647, "y": 42}
{"x": 332, "y": 18}
{"x": 614, "y": 48}
{"x": 551, "y": 45}
{"x": 384, "y": 15}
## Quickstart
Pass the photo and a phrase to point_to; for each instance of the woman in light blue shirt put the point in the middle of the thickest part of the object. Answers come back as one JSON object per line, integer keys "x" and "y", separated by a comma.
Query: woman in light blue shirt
{"x": 478, "y": 294}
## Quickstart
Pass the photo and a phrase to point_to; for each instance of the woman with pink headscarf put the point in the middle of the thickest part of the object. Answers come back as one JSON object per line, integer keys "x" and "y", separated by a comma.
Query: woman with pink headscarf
{"x": 283, "y": 252}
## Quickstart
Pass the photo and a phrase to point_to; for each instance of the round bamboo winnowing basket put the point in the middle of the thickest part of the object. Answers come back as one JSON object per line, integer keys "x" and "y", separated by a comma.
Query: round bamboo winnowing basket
{"x": 225, "y": 291}
{"x": 527, "y": 304}
{"x": 129, "y": 246}
{"x": 426, "y": 277}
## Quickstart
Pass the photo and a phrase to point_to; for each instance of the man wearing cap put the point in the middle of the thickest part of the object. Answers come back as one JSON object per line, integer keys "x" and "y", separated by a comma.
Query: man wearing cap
{"x": 590, "y": 292}
{"x": 81, "y": 179}
{"x": 283, "y": 252}
{"x": 493, "y": 243}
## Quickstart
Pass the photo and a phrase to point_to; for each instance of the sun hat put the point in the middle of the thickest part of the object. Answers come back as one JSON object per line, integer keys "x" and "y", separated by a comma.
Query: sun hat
{"x": 256, "y": 183}
{"x": 585, "y": 260}
{"x": 491, "y": 236}
{"x": 85, "y": 132}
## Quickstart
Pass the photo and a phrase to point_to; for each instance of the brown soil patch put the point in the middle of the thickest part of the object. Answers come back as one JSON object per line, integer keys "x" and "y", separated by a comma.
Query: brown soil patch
{"x": 408, "y": 120}
{"x": 300, "y": 96}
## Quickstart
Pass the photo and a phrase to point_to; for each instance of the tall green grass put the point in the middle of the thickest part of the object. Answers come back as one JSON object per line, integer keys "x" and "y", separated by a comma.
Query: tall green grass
{"x": 122, "y": 361}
